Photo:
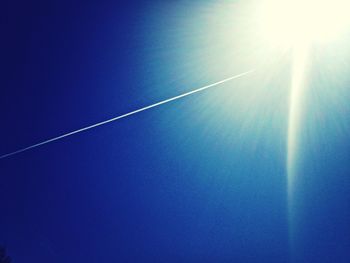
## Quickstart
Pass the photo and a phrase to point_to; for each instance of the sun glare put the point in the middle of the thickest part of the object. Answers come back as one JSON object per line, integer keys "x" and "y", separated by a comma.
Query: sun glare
{"x": 289, "y": 22}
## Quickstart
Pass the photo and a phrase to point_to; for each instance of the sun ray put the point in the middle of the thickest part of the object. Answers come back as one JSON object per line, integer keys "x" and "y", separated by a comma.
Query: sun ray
{"x": 296, "y": 113}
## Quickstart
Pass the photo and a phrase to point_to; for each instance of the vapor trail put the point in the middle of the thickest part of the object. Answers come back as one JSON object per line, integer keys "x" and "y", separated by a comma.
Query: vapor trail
{"x": 124, "y": 115}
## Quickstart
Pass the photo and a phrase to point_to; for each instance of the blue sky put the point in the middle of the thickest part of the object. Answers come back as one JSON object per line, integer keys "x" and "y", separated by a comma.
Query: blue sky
{"x": 202, "y": 179}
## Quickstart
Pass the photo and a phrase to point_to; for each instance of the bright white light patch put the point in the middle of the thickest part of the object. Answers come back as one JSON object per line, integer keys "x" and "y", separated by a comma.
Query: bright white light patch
{"x": 290, "y": 22}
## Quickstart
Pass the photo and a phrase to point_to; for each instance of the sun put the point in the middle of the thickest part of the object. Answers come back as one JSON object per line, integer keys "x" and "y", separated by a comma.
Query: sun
{"x": 291, "y": 22}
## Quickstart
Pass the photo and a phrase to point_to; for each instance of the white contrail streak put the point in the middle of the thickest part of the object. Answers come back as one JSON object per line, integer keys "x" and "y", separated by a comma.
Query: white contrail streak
{"x": 124, "y": 115}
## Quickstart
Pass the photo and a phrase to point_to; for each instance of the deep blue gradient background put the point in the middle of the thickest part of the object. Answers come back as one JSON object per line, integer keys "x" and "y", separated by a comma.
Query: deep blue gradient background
{"x": 197, "y": 180}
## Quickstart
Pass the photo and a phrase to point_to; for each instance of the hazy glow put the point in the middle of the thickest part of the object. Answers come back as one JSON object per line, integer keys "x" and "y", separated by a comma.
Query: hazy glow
{"x": 269, "y": 35}
{"x": 292, "y": 21}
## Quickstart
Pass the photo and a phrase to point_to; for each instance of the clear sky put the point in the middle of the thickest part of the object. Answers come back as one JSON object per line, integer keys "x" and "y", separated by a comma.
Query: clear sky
{"x": 202, "y": 179}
